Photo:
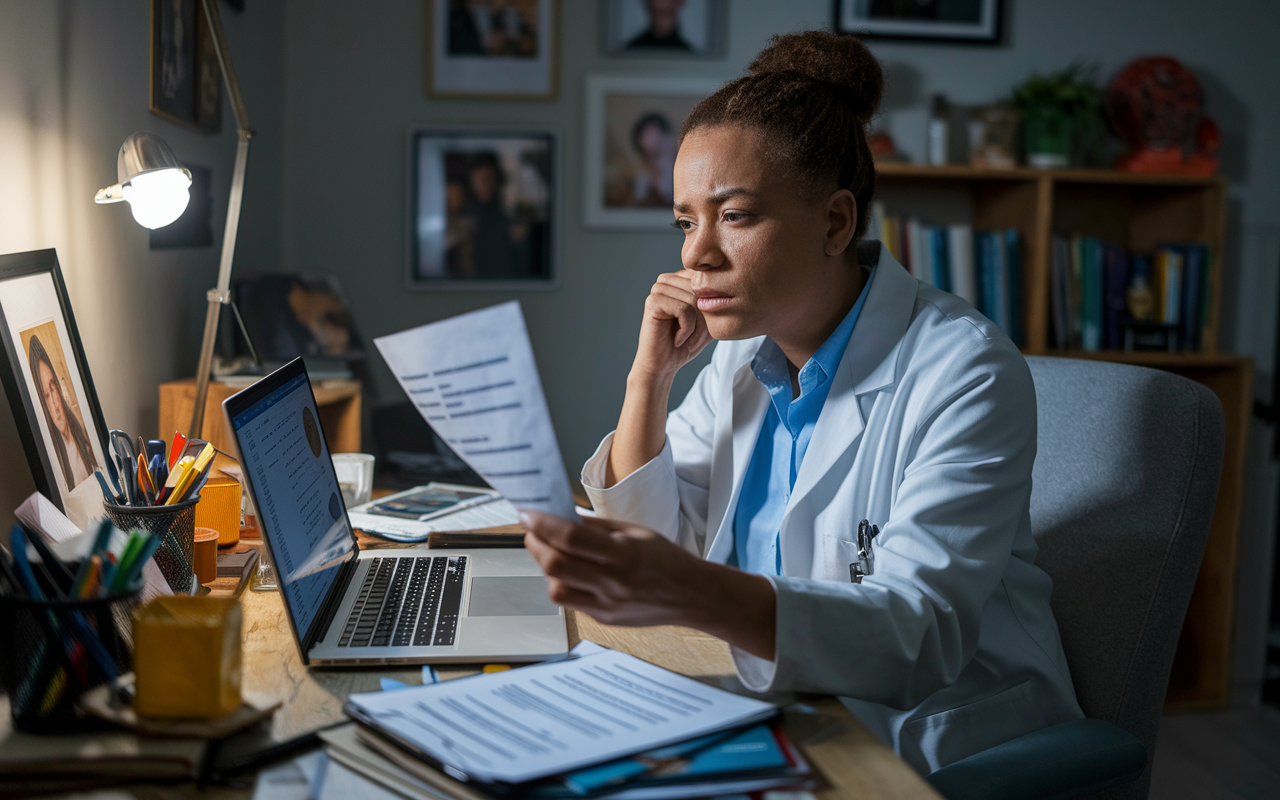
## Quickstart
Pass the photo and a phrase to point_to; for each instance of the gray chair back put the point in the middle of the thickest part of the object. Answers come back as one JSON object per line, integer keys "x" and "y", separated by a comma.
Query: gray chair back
{"x": 1125, "y": 480}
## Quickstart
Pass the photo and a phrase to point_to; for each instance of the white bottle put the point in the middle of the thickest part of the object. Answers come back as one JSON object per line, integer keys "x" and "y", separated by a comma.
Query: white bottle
{"x": 939, "y": 130}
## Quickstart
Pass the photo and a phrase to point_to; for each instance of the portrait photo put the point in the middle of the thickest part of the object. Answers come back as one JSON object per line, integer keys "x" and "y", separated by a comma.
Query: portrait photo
{"x": 665, "y": 28}
{"x": 48, "y": 385}
{"x": 483, "y": 209}
{"x": 491, "y": 48}
{"x": 974, "y": 21}
{"x": 186, "y": 81}
{"x": 633, "y": 127}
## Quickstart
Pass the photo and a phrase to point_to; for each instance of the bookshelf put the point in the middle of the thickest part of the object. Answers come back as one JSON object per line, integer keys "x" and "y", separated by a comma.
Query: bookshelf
{"x": 1138, "y": 212}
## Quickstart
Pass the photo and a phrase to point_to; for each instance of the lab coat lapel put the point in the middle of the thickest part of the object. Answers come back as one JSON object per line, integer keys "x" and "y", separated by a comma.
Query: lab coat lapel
{"x": 869, "y": 364}
{"x": 750, "y": 402}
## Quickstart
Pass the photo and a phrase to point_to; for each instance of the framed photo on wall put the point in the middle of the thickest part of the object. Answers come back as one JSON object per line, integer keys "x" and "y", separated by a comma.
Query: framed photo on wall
{"x": 48, "y": 384}
{"x": 975, "y": 21}
{"x": 186, "y": 81}
{"x": 483, "y": 208}
{"x": 665, "y": 28}
{"x": 492, "y": 49}
{"x": 632, "y": 128}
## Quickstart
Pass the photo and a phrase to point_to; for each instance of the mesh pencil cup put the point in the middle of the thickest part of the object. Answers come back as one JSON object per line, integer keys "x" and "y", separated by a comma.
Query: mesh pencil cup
{"x": 176, "y": 527}
{"x": 56, "y": 650}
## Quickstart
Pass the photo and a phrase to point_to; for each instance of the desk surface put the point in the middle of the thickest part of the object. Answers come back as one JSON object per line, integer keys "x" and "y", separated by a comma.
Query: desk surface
{"x": 857, "y": 763}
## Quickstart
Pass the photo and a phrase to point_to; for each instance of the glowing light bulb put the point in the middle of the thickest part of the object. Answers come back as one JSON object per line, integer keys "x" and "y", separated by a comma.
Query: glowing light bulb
{"x": 159, "y": 197}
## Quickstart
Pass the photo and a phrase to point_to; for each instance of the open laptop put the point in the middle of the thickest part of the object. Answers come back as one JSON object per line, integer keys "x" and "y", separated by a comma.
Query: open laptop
{"x": 396, "y": 606}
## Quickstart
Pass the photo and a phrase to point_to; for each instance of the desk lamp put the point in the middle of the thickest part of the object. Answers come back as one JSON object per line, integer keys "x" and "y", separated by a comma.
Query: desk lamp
{"x": 157, "y": 188}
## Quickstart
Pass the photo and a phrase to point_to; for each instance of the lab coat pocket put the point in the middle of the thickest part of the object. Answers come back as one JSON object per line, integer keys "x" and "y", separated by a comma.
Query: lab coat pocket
{"x": 831, "y": 562}
{"x": 957, "y": 733}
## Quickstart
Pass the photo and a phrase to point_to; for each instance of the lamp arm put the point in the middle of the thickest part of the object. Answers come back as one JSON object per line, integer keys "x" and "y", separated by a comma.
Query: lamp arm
{"x": 224, "y": 61}
{"x": 222, "y": 293}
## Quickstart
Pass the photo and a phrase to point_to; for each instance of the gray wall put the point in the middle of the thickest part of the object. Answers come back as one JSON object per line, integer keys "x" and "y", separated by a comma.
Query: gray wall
{"x": 73, "y": 85}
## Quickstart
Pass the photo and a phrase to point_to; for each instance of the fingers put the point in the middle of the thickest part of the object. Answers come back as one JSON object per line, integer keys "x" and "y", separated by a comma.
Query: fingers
{"x": 589, "y": 539}
{"x": 668, "y": 302}
{"x": 572, "y": 571}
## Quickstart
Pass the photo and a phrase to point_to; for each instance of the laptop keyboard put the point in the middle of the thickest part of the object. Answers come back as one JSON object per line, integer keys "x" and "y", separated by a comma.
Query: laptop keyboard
{"x": 403, "y": 601}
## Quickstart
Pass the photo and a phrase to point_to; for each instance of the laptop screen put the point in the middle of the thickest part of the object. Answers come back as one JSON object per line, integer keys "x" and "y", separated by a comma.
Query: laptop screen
{"x": 295, "y": 490}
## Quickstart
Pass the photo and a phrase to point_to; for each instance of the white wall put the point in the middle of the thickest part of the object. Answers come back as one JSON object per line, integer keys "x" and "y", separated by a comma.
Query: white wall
{"x": 73, "y": 85}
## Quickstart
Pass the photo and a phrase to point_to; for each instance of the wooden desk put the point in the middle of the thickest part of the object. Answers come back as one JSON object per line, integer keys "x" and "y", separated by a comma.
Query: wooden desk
{"x": 858, "y": 765}
{"x": 856, "y": 762}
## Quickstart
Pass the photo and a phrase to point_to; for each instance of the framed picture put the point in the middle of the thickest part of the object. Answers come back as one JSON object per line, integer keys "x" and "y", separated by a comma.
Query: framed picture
{"x": 975, "y": 21}
{"x": 186, "y": 81}
{"x": 665, "y": 28}
{"x": 483, "y": 207}
{"x": 632, "y": 129}
{"x": 48, "y": 384}
{"x": 492, "y": 49}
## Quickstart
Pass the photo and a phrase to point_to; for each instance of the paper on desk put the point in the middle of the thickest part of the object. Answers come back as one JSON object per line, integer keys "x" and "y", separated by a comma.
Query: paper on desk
{"x": 39, "y": 514}
{"x": 542, "y": 720}
{"x": 488, "y": 515}
{"x": 474, "y": 380}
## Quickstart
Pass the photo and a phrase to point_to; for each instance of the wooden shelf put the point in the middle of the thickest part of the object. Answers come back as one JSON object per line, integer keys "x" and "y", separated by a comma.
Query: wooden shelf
{"x": 1139, "y": 212}
{"x": 891, "y": 169}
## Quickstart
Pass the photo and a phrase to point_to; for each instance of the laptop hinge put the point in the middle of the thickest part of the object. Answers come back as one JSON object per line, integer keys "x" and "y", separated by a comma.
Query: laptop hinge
{"x": 330, "y": 608}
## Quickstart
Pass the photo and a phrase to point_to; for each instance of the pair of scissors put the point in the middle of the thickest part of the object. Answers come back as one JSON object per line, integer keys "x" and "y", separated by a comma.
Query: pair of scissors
{"x": 126, "y": 460}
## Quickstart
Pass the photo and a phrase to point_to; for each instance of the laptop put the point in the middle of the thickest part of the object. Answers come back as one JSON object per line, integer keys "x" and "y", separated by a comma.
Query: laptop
{"x": 395, "y": 606}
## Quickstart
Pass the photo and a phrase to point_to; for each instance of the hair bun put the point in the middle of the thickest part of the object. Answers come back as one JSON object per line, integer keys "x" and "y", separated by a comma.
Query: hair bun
{"x": 842, "y": 63}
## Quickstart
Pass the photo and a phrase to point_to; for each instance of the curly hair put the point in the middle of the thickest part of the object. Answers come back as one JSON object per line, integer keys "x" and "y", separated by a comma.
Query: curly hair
{"x": 811, "y": 96}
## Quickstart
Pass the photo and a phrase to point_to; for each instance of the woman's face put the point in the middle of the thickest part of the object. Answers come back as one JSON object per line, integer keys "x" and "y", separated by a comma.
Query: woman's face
{"x": 758, "y": 253}
{"x": 53, "y": 398}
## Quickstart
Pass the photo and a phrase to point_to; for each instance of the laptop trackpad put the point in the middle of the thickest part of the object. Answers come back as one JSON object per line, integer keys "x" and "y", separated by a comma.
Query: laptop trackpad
{"x": 510, "y": 596}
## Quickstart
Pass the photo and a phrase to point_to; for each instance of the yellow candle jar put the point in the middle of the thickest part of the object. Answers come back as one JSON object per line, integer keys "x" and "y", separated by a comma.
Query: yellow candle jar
{"x": 187, "y": 657}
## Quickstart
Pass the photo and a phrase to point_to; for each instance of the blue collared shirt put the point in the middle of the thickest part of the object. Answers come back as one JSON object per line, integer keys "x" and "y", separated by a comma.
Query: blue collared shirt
{"x": 784, "y": 438}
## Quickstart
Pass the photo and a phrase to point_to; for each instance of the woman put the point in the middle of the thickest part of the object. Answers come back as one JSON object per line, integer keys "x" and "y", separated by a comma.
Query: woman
{"x": 842, "y": 390}
{"x": 70, "y": 442}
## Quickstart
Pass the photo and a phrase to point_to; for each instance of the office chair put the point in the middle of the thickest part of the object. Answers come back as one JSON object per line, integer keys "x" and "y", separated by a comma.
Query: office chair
{"x": 1125, "y": 479}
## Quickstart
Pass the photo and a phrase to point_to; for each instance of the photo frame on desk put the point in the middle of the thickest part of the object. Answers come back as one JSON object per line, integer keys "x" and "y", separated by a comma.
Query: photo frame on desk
{"x": 484, "y": 208}
{"x": 47, "y": 381}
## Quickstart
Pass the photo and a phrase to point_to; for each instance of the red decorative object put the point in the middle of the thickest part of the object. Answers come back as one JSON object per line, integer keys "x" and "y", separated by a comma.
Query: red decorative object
{"x": 882, "y": 146}
{"x": 1156, "y": 105}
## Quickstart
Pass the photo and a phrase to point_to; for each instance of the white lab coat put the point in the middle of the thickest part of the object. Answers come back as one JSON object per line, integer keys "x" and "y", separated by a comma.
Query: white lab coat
{"x": 929, "y": 431}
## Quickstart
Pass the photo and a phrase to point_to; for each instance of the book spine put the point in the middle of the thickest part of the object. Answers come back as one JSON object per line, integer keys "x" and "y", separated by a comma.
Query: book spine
{"x": 941, "y": 259}
{"x": 1013, "y": 260}
{"x": 1075, "y": 294}
{"x": 1193, "y": 266}
{"x": 1059, "y": 287}
{"x": 1117, "y": 284}
{"x": 964, "y": 283}
{"x": 1091, "y": 330}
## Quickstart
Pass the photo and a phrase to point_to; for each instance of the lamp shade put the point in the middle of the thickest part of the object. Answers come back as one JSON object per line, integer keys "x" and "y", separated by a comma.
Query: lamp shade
{"x": 156, "y": 186}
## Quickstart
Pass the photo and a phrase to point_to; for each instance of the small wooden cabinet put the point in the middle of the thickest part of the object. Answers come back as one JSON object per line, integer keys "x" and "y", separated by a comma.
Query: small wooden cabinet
{"x": 1138, "y": 212}
{"x": 338, "y": 402}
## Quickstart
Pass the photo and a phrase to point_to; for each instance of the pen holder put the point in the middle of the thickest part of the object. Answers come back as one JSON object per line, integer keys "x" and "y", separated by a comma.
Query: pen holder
{"x": 56, "y": 650}
{"x": 176, "y": 527}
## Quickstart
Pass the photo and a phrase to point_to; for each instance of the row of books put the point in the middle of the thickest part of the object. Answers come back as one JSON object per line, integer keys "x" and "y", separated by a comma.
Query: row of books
{"x": 1099, "y": 289}
{"x": 981, "y": 267}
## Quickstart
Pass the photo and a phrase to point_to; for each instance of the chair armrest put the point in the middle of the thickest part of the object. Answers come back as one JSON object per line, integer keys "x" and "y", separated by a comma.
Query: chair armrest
{"x": 1063, "y": 761}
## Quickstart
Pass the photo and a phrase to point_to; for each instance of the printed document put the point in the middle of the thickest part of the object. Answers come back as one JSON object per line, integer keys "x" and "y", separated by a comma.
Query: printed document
{"x": 474, "y": 380}
{"x": 529, "y": 723}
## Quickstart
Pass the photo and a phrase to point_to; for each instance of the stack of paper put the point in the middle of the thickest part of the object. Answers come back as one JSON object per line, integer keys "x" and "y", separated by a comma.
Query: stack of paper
{"x": 604, "y": 724}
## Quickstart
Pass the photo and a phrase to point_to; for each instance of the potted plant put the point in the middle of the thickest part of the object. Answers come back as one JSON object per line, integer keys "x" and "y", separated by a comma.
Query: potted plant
{"x": 1057, "y": 110}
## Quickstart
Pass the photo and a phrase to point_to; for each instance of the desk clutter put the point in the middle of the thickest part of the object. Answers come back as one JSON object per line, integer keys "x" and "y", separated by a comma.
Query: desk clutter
{"x": 601, "y": 724}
